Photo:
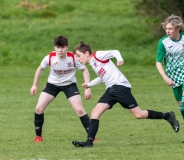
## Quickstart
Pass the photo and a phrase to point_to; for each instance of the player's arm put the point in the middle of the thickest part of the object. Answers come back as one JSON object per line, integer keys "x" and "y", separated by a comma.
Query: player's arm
{"x": 37, "y": 76}
{"x": 118, "y": 57}
{"x": 159, "y": 58}
{"x": 104, "y": 55}
{"x": 92, "y": 83}
{"x": 160, "y": 69}
{"x": 86, "y": 75}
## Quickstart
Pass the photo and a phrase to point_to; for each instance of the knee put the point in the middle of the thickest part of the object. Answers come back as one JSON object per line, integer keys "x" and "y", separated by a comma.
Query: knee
{"x": 95, "y": 114}
{"x": 139, "y": 116}
{"x": 39, "y": 110}
{"x": 80, "y": 111}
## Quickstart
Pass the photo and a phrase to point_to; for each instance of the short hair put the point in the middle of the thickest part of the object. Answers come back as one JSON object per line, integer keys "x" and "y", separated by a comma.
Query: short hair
{"x": 61, "y": 41}
{"x": 176, "y": 21}
{"x": 82, "y": 47}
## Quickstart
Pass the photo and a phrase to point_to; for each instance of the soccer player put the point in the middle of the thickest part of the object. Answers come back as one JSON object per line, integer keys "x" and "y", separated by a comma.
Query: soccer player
{"x": 62, "y": 78}
{"x": 171, "y": 50}
{"x": 118, "y": 89}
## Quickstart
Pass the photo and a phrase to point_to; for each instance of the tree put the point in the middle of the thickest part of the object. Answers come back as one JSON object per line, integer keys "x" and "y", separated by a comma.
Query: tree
{"x": 155, "y": 11}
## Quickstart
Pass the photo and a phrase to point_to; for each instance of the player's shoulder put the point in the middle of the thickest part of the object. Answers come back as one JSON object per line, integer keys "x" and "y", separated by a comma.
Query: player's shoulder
{"x": 98, "y": 54}
{"x": 70, "y": 54}
{"x": 182, "y": 33}
{"x": 52, "y": 53}
{"x": 164, "y": 38}
{"x": 50, "y": 56}
{"x": 164, "y": 41}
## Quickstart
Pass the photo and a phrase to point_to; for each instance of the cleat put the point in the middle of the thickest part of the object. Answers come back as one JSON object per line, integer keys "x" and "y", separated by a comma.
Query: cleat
{"x": 95, "y": 139}
{"x": 38, "y": 139}
{"x": 182, "y": 141}
{"x": 82, "y": 144}
{"x": 173, "y": 121}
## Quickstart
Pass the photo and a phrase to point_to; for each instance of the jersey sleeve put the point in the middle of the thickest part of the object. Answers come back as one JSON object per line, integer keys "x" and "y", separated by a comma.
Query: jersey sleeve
{"x": 104, "y": 55}
{"x": 45, "y": 62}
{"x": 78, "y": 65}
{"x": 94, "y": 82}
{"x": 160, "y": 52}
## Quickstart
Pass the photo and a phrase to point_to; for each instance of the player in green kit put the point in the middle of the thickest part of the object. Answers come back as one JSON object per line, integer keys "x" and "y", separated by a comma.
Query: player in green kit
{"x": 171, "y": 51}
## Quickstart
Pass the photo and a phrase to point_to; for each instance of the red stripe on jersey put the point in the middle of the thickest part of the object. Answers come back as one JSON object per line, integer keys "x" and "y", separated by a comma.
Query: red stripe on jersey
{"x": 69, "y": 54}
{"x": 94, "y": 55}
{"x": 51, "y": 55}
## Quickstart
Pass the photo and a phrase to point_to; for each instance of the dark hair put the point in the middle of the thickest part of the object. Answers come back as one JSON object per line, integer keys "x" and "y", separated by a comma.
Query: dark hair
{"x": 82, "y": 47}
{"x": 61, "y": 41}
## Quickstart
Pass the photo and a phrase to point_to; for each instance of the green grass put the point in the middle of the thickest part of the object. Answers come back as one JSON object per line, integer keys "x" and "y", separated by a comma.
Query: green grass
{"x": 120, "y": 135}
{"x": 27, "y": 33}
{"x": 26, "y": 36}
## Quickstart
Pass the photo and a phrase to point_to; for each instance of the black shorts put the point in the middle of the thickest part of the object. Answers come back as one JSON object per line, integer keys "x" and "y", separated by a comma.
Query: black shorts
{"x": 120, "y": 94}
{"x": 69, "y": 90}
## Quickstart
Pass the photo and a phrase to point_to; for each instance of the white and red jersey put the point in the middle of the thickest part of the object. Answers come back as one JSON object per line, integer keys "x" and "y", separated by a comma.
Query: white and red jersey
{"x": 62, "y": 71}
{"x": 106, "y": 70}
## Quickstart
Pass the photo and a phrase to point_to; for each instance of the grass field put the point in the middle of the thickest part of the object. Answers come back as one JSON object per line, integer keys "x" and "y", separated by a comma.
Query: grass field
{"x": 120, "y": 135}
{"x": 27, "y": 30}
{"x": 27, "y": 33}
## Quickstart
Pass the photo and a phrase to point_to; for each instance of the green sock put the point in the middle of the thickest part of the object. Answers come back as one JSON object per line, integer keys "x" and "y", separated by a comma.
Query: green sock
{"x": 182, "y": 110}
{"x": 182, "y": 107}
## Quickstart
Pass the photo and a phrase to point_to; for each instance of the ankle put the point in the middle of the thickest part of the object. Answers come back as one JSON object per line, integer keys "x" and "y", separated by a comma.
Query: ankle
{"x": 89, "y": 141}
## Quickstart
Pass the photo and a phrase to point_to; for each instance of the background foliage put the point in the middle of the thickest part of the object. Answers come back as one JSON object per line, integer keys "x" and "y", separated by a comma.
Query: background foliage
{"x": 154, "y": 12}
{"x": 27, "y": 30}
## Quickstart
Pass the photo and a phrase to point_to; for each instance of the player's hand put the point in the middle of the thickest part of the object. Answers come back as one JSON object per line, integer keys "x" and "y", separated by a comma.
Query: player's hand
{"x": 169, "y": 81}
{"x": 85, "y": 85}
{"x": 119, "y": 63}
{"x": 33, "y": 90}
{"x": 87, "y": 93}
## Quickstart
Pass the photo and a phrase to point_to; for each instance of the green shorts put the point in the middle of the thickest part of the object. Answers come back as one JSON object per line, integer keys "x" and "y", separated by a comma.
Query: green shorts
{"x": 178, "y": 92}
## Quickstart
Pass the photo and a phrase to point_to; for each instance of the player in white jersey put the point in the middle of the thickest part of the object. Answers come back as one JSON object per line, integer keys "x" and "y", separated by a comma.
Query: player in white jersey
{"x": 171, "y": 51}
{"x": 118, "y": 89}
{"x": 63, "y": 66}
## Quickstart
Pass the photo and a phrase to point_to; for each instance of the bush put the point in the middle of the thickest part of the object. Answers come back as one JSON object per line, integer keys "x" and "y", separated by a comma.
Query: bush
{"x": 155, "y": 11}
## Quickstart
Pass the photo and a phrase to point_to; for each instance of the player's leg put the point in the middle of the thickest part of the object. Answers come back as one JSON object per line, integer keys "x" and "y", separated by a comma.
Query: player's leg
{"x": 76, "y": 104}
{"x": 45, "y": 98}
{"x": 95, "y": 117}
{"x": 43, "y": 101}
{"x": 146, "y": 114}
{"x": 179, "y": 96}
{"x": 150, "y": 114}
{"x": 124, "y": 96}
{"x": 72, "y": 93}
{"x": 104, "y": 103}
{"x": 94, "y": 124}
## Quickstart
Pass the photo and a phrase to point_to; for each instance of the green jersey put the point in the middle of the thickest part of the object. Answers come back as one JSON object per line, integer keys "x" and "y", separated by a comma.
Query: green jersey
{"x": 172, "y": 52}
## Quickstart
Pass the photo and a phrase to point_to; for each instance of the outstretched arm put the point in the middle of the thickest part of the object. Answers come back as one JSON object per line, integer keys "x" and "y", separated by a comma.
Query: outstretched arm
{"x": 92, "y": 83}
{"x": 37, "y": 76}
{"x": 120, "y": 62}
{"x": 87, "y": 92}
{"x": 160, "y": 69}
{"x": 118, "y": 57}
